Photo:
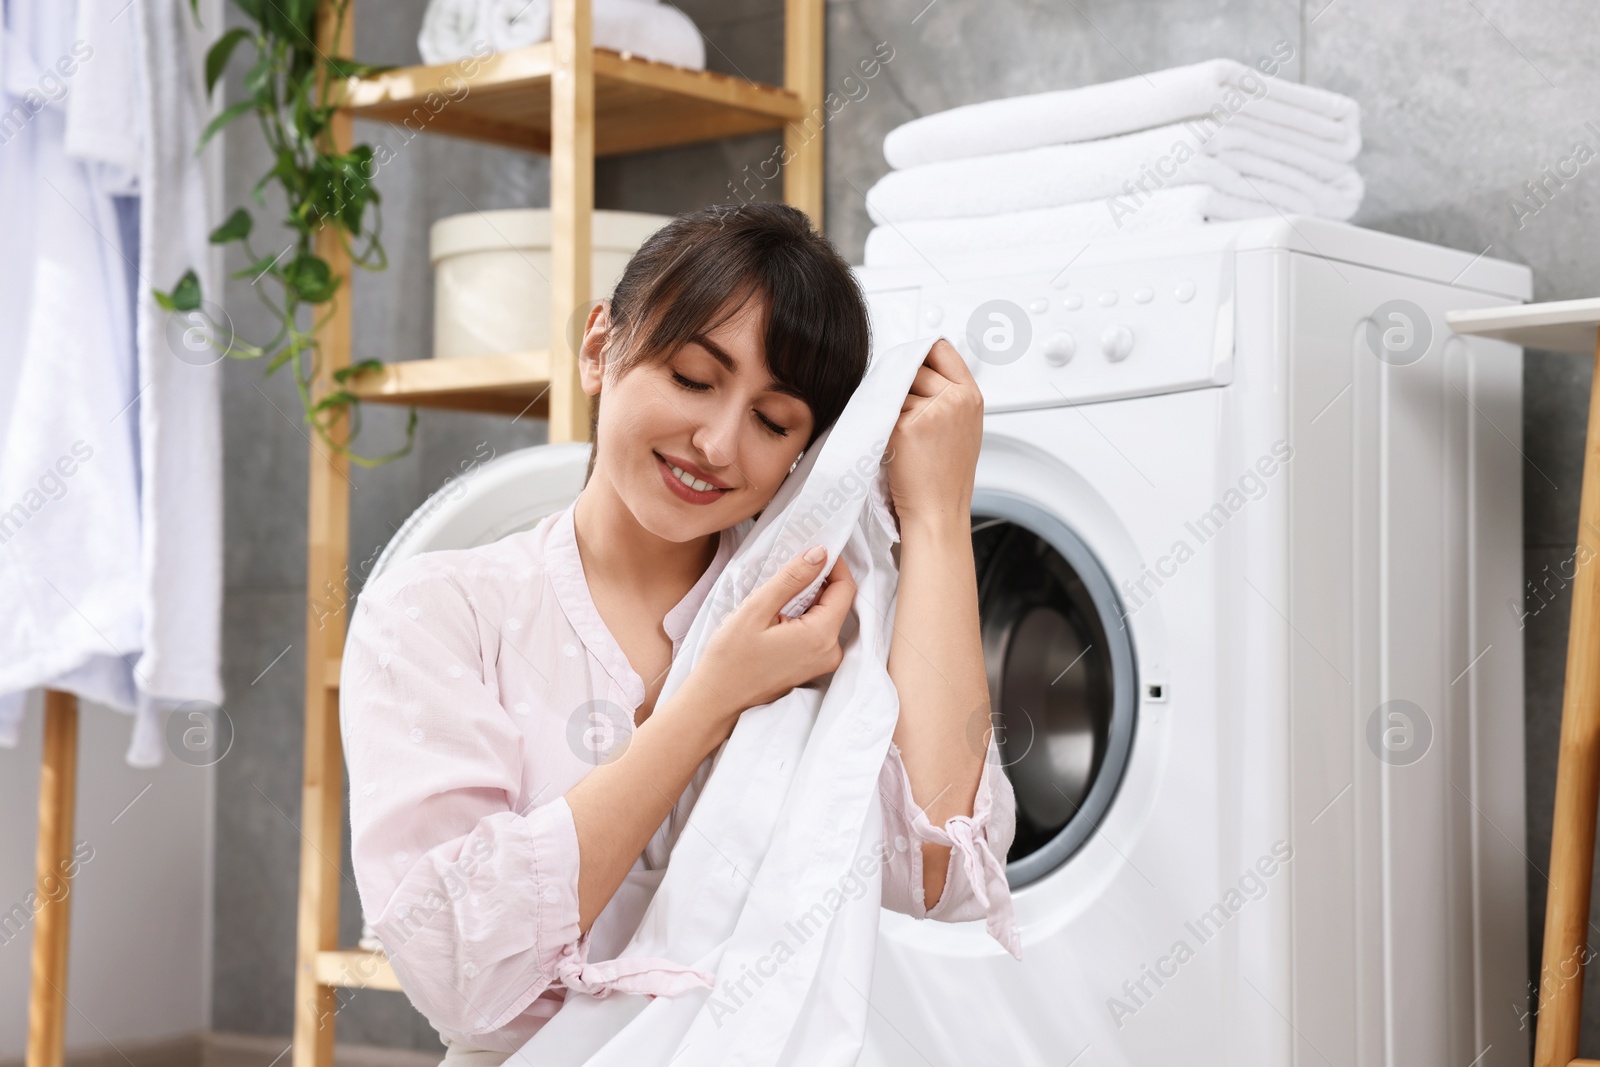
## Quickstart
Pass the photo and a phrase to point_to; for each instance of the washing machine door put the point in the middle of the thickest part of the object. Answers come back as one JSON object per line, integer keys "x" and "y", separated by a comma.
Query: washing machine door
{"x": 1062, "y": 676}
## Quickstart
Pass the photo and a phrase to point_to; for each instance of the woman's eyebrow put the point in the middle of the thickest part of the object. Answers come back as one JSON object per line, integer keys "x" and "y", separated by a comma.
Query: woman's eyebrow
{"x": 716, "y": 351}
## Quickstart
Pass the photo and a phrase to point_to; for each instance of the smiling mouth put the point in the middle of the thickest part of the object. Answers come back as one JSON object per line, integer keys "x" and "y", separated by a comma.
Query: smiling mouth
{"x": 699, "y": 485}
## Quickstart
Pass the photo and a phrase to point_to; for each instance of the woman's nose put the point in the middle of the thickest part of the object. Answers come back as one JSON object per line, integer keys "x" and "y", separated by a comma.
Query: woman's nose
{"x": 717, "y": 435}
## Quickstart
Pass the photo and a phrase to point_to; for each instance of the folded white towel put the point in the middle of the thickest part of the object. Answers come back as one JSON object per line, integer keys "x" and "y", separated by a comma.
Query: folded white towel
{"x": 937, "y": 239}
{"x": 1129, "y": 166}
{"x": 452, "y": 28}
{"x": 1225, "y": 88}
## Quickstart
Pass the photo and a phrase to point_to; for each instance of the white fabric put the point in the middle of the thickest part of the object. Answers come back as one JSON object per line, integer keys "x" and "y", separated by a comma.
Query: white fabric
{"x": 104, "y": 126}
{"x": 1055, "y": 175}
{"x": 932, "y": 240}
{"x": 646, "y": 28}
{"x": 1327, "y": 120}
{"x": 789, "y": 825}
{"x": 110, "y": 445}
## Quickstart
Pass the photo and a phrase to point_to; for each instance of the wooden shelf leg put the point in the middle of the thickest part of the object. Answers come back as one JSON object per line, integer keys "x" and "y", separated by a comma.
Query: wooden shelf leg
{"x": 327, "y": 600}
{"x": 58, "y": 791}
{"x": 804, "y": 44}
{"x": 1566, "y": 917}
{"x": 571, "y": 212}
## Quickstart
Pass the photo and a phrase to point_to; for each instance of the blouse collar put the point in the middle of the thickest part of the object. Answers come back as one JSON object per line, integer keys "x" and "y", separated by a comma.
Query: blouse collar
{"x": 565, "y": 570}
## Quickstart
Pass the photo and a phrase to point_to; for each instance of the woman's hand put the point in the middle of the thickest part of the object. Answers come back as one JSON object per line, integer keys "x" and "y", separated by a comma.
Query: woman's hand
{"x": 933, "y": 452}
{"x": 758, "y": 655}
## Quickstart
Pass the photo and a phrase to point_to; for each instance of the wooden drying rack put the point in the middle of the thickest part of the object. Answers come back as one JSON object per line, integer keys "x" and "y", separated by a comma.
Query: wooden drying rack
{"x": 573, "y": 102}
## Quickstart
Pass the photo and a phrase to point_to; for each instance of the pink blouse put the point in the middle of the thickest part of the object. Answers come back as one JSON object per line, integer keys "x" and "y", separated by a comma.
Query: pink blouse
{"x": 473, "y": 685}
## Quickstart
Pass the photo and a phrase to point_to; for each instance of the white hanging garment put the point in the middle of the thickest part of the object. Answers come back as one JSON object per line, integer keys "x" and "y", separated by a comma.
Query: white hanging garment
{"x": 110, "y": 440}
{"x": 774, "y": 886}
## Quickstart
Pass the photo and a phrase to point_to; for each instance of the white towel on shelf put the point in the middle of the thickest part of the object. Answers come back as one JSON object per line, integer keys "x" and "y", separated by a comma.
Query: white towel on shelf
{"x": 936, "y": 239}
{"x": 1056, "y": 175}
{"x": 645, "y": 28}
{"x": 790, "y": 811}
{"x": 1327, "y": 120}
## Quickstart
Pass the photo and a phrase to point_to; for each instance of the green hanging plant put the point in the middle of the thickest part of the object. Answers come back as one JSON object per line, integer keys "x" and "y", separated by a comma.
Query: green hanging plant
{"x": 291, "y": 90}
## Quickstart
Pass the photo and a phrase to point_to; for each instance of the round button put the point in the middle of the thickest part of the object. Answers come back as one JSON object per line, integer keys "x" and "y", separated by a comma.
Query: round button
{"x": 1144, "y": 296}
{"x": 513, "y": 624}
{"x": 521, "y": 708}
{"x": 1108, "y": 298}
{"x": 1072, "y": 301}
{"x": 900, "y": 842}
{"x": 1060, "y": 347}
{"x": 1039, "y": 306}
{"x": 1060, "y": 281}
{"x": 455, "y": 671}
{"x": 551, "y": 894}
{"x": 570, "y": 649}
{"x": 1116, "y": 343}
{"x": 1184, "y": 292}
{"x": 416, "y": 736}
{"x": 933, "y": 314}
{"x": 469, "y": 970}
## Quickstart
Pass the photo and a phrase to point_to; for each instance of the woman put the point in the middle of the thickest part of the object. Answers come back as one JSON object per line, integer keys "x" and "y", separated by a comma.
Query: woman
{"x": 513, "y": 779}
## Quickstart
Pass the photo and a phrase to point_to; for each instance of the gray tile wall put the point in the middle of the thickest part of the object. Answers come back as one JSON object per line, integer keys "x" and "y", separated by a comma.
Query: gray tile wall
{"x": 1463, "y": 101}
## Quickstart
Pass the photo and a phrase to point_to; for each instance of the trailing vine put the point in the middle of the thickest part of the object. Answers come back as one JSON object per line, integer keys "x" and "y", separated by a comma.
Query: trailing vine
{"x": 292, "y": 90}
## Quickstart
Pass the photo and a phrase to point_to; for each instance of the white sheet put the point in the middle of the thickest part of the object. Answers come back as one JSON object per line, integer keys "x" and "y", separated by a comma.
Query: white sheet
{"x": 1327, "y": 120}
{"x": 789, "y": 822}
{"x": 935, "y": 240}
{"x": 1164, "y": 156}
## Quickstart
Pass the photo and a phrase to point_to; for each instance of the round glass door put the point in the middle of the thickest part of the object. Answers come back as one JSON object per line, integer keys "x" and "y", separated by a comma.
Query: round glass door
{"x": 1063, "y": 679}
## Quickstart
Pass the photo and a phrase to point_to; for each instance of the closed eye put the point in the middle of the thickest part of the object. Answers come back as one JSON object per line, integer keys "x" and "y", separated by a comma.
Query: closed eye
{"x": 687, "y": 384}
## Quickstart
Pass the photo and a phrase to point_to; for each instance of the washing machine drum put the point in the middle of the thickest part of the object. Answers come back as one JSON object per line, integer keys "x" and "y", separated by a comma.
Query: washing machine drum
{"x": 1061, "y": 671}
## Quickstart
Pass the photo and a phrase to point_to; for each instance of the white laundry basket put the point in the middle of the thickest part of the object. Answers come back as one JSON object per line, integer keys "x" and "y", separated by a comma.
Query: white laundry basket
{"x": 492, "y": 275}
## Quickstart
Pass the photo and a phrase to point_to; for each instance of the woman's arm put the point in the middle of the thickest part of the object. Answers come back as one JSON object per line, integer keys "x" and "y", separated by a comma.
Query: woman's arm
{"x": 936, "y": 654}
{"x": 755, "y": 656}
{"x": 936, "y": 663}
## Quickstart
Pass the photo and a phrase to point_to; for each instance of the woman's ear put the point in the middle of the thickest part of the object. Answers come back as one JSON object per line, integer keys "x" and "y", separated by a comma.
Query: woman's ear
{"x": 591, "y": 351}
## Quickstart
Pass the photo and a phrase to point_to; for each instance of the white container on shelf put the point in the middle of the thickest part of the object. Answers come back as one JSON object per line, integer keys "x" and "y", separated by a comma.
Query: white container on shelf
{"x": 492, "y": 275}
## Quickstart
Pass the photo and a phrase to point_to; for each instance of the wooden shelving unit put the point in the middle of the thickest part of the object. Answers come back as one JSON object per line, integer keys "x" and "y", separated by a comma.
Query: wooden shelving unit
{"x": 1569, "y": 326}
{"x": 573, "y": 102}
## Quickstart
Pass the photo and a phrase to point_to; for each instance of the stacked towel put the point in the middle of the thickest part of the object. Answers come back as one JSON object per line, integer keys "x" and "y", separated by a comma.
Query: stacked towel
{"x": 454, "y": 29}
{"x": 1179, "y": 147}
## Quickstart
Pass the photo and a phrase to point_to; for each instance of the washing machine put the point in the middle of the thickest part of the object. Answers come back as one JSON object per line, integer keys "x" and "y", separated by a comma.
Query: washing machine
{"x": 1247, "y": 522}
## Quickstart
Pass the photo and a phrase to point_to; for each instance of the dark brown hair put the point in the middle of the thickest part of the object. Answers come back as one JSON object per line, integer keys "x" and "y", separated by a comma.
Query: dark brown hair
{"x": 817, "y": 332}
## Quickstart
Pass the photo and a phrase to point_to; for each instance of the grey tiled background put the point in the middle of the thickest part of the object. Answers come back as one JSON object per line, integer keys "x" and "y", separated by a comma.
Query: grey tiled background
{"x": 1463, "y": 101}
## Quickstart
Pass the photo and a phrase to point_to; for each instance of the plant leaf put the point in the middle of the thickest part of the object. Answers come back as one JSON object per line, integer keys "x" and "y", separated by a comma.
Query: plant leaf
{"x": 219, "y": 54}
{"x": 343, "y": 374}
{"x": 256, "y": 269}
{"x": 222, "y": 120}
{"x": 237, "y": 228}
{"x": 185, "y": 296}
{"x": 310, "y": 277}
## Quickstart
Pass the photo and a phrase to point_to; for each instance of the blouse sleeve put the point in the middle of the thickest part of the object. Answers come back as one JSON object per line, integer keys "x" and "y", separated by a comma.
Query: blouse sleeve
{"x": 474, "y": 901}
{"x": 975, "y": 885}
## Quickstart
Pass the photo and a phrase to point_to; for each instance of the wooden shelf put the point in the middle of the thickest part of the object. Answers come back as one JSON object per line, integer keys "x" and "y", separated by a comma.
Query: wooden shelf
{"x": 517, "y": 383}
{"x": 356, "y": 969}
{"x": 1554, "y": 326}
{"x": 639, "y": 104}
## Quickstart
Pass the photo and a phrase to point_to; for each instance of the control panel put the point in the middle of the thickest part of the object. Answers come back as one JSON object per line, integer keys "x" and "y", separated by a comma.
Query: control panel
{"x": 1081, "y": 333}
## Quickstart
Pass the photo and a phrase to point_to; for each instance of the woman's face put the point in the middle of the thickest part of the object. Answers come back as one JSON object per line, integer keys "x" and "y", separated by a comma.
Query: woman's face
{"x": 712, "y": 410}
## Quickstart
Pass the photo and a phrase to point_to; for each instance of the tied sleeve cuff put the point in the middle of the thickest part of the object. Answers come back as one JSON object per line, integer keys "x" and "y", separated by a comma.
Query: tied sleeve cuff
{"x": 976, "y": 873}
{"x": 652, "y": 975}
{"x": 987, "y": 877}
